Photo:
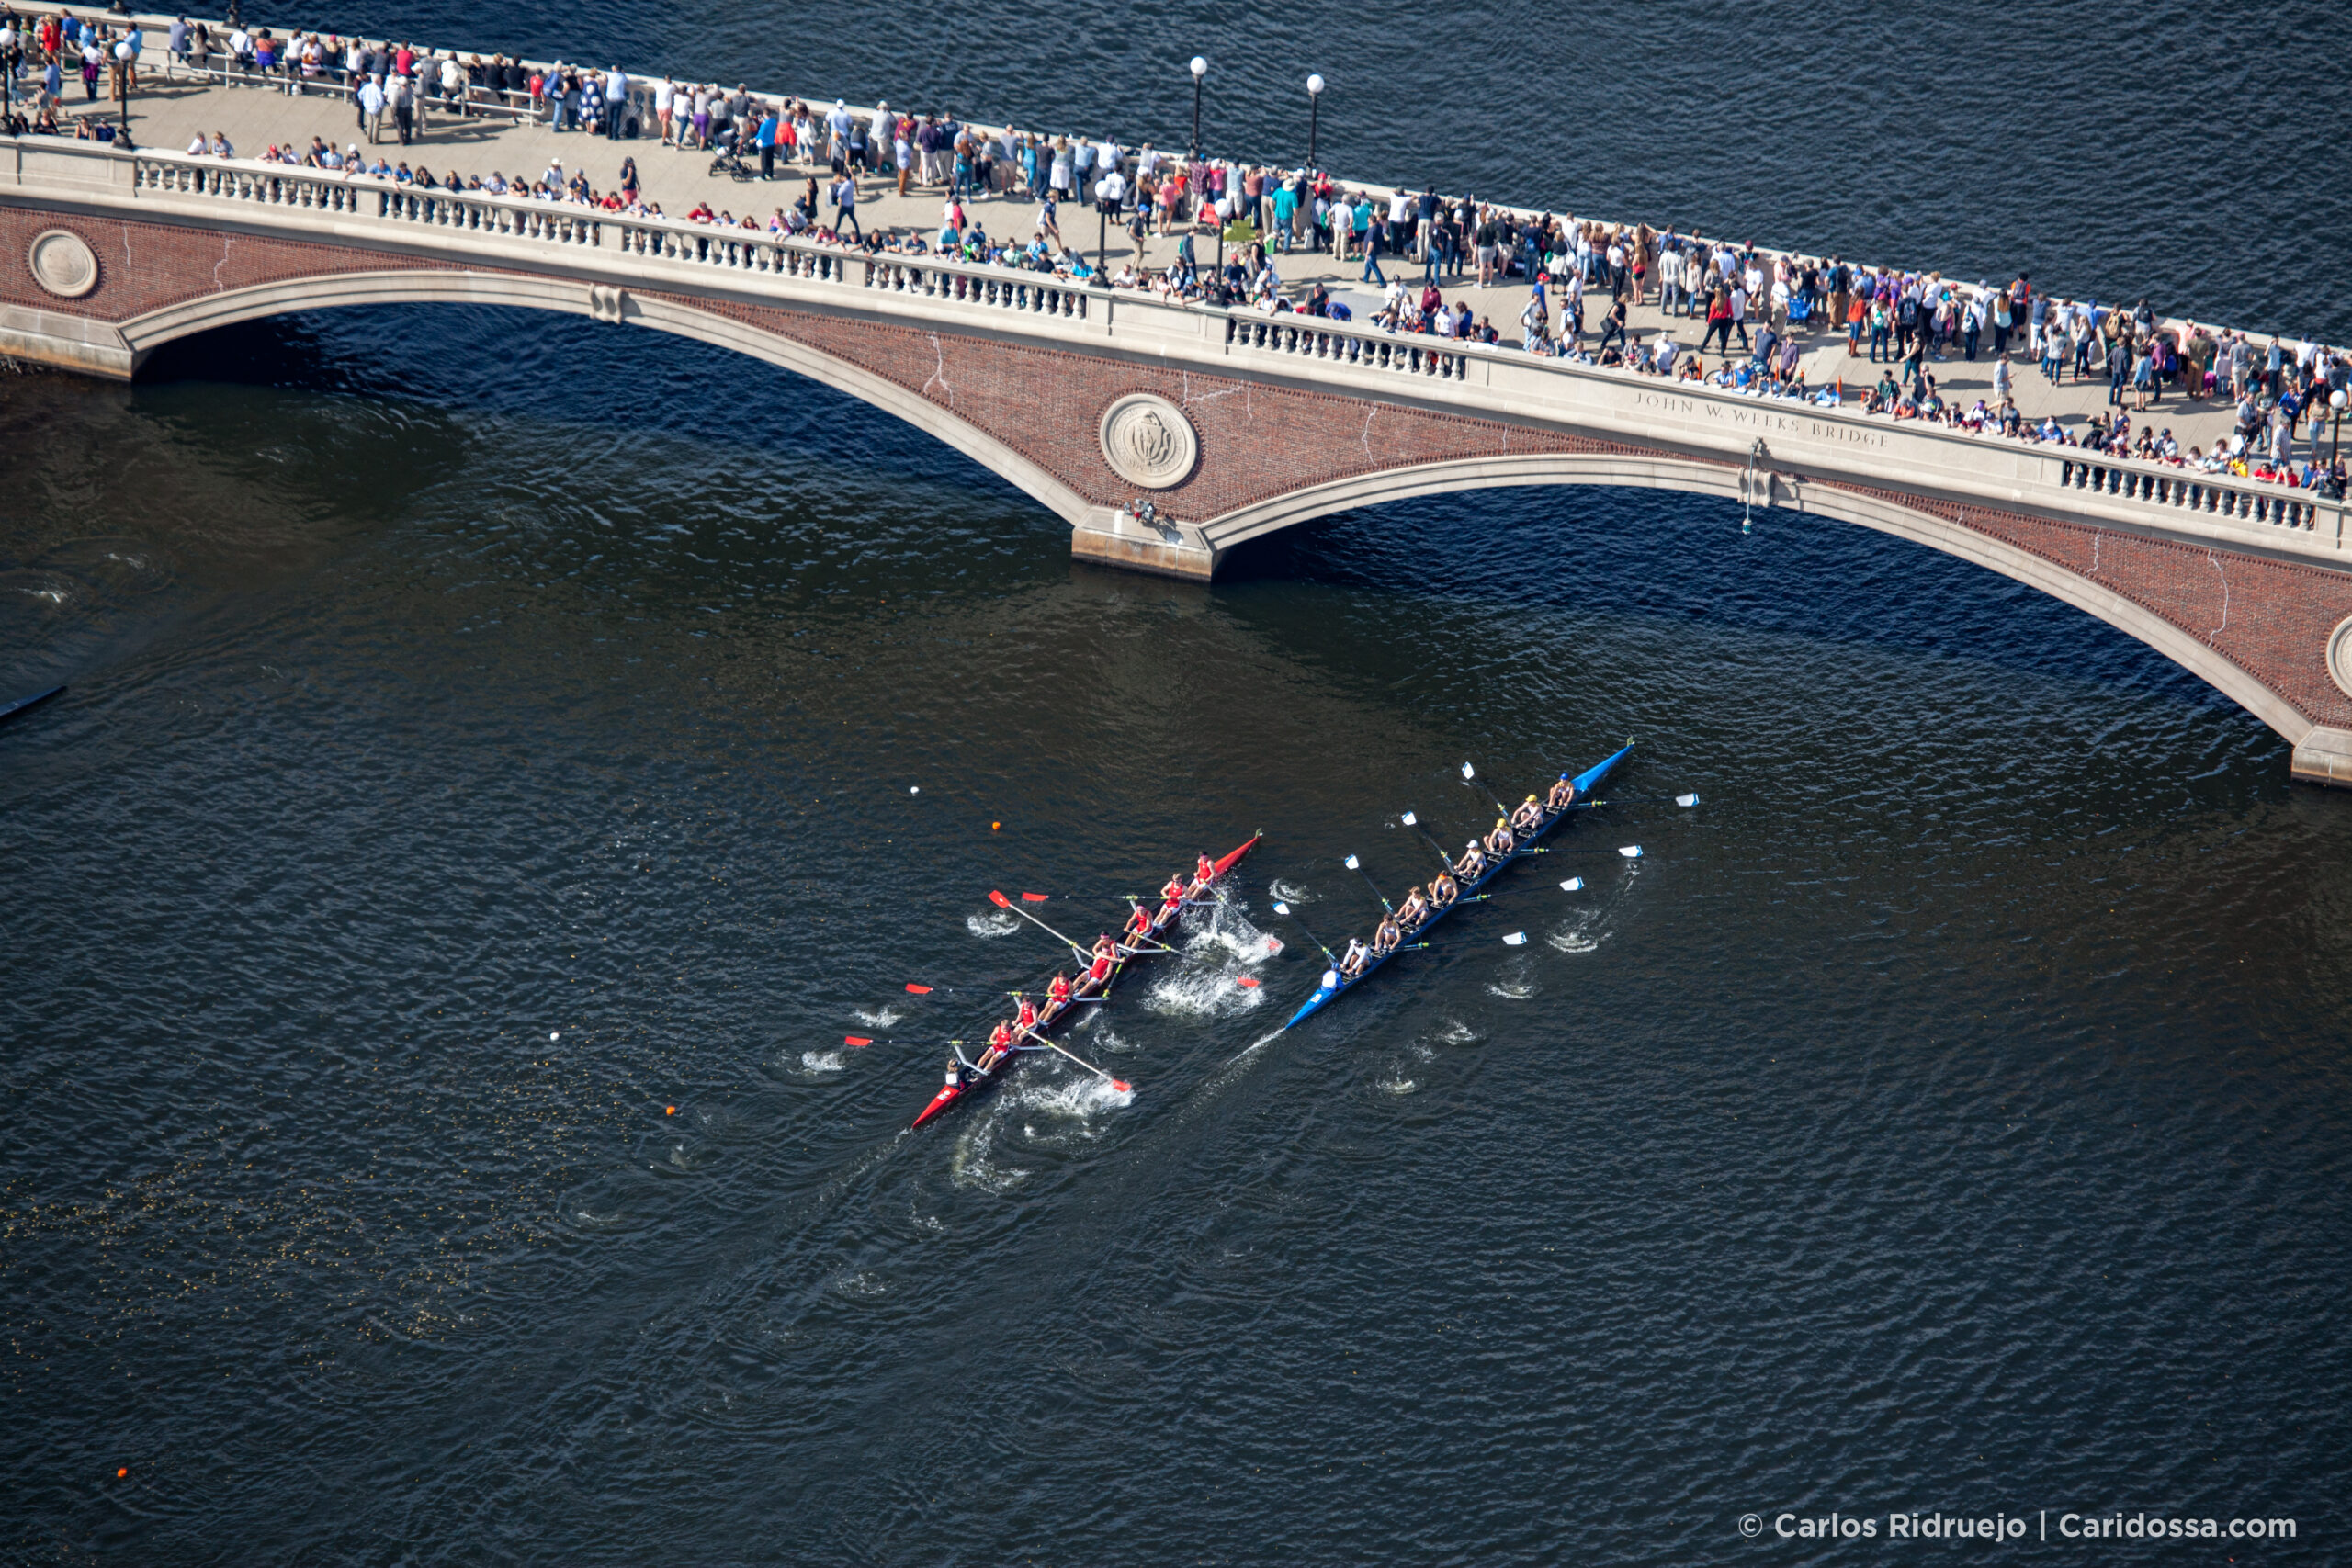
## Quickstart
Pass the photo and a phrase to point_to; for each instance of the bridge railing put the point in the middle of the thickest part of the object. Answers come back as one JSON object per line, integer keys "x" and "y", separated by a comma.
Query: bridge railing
{"x": 2221, "y": 504}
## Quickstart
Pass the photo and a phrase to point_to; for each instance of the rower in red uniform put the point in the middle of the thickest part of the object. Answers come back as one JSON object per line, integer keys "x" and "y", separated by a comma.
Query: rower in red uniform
{"x": 1027, "y": 1020}
{"x": 999, "y": 1047}
{"x": 1098, "y": 972}
{"x": 1171, "y": 899}
{"x": 1056, "y": 995}
{"x": 1138, "y": 927}
{"x": 1205, "y": 873}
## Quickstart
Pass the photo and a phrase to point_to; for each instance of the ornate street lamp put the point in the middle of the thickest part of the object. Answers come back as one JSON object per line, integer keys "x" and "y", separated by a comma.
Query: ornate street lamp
{"x": 1313, "y": 115}
{"x": 1200, "y": 69}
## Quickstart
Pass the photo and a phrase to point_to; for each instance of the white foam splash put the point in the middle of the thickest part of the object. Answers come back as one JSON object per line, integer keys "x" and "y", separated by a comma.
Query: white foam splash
{"x": 862, "y": 1285}
{"x": 996, "y": 923}
{"x": 879, "y": 1018}
{"x": 1203, "y": 994}
{"x": 1286, "y": 891}
{"x": 1573, "y": 940}
{"x": 1511, "y": 990}
{"x": 1400, "y": 1085}
{"x": 1111, "y": 1043}
{"x": 972, "y": 1167}
{"x": 823, "y": 1061}
{"x": 1457, "y": 1032}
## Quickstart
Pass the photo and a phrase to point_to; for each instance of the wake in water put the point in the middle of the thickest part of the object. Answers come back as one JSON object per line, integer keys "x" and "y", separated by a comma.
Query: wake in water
{"x": 1587, "y": 929}
{"x": 996, "y": 922}
{"x": 879, "y": 1018}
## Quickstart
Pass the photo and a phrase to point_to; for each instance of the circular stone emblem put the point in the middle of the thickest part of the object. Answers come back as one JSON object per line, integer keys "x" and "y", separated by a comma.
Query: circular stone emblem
{"x": 1148, "y": 442}
{"x": 2339, "y": 655}
{"x": 61, "y": 261}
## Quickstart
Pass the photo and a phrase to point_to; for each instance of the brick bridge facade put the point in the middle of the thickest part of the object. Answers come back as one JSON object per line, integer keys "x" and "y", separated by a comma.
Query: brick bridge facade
{"x": 1254, "y": 442}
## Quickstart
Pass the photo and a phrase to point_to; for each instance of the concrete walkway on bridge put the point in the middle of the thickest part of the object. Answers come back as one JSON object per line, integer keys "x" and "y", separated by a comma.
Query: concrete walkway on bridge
{"x": 167, "y": 114}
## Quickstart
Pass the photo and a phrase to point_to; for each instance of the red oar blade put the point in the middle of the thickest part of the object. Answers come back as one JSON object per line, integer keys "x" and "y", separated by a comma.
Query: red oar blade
{"x": 1121, "y": 1085}
{"x": 1034, "y": 898}
{"x": 918, "y": 990}
{"x": 1247, "y": 982}
{"x": 999, "y": 899}
{"x": 857, "y": 1040}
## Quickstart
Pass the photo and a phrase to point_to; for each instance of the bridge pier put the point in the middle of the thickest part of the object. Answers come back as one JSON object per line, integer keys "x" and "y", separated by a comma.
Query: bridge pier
{"x": 1114, "y": 538}
{"x": 2324, "y": 757}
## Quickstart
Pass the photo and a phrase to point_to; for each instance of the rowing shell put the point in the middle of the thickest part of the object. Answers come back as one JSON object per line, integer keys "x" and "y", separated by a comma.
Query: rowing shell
{"x": 962, "y": 1080}
{"x": 1333, "y": 985}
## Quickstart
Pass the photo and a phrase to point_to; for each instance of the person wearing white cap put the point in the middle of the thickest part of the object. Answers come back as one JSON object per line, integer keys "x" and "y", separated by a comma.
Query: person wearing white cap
{"x": 880, "y": 136}
{"x": 837, "y": 124}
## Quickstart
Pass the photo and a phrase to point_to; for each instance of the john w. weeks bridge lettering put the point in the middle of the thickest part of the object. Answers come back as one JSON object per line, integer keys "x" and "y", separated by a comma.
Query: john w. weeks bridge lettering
{"x": 1228, "y": 424}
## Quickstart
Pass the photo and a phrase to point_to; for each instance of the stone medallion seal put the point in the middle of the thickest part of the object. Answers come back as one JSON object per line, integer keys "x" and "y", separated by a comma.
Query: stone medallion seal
{"x": 1148, "y": 442}
{"x": 61, "y": 261}
{"x": 2339, "y": 655}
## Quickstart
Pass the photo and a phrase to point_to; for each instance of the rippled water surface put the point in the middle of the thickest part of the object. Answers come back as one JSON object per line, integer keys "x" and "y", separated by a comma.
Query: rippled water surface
{"x": 483, "y": 807}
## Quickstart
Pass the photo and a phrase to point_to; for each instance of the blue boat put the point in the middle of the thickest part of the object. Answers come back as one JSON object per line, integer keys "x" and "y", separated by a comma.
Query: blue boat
{"x": 1333, "y": 986}
{"x": 26, "y": 704}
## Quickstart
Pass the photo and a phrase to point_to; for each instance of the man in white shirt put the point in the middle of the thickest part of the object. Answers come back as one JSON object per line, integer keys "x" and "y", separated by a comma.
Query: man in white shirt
{"x": 371, "y": 108}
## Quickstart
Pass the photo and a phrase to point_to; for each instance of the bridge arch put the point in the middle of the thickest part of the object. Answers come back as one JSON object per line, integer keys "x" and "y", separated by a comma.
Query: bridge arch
{"x": 2176, "y": 597}
{"x": 146, "y": 334}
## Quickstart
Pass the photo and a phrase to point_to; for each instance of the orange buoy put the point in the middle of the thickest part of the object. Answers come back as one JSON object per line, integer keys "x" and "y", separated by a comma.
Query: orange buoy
{"x": 672, "y": 1111}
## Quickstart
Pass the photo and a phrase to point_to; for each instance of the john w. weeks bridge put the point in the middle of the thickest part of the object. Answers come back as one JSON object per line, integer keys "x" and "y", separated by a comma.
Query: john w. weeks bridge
{"x": 1229, "y": 423}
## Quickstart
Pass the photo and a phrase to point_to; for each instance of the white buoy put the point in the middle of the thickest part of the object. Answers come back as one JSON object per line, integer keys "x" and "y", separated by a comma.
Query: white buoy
{"x": 1572, "y": 885}
{"x": 553, "y": 1034}
{"x": 917, "y": 789}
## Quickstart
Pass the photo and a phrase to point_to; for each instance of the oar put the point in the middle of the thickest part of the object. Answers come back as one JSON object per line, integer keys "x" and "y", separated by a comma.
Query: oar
{"x": 1284, "y": 909}
{"x": 1470, "y": 776}
{"x": 1053, "y": 1045}
{"x": 864, "y": 1040}
{"x": 1415, "y": 824}
{"x": 1352, "y": 865}
{"x": 1001, "y": 902}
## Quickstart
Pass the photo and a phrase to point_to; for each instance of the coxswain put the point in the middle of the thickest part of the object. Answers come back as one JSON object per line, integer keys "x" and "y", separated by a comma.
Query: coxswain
{"x": 1562, "y": 796}
{"x": 1529, "y": 815}
{"x": 1500, "y": 843}
{"x": 1413, "y": 911}
{"x": 1473, "y": 862}
{"x": 1057, "y": 995}
{"x": 1443, "y": 891}
{"x": 1388, "y": 938}
{"x": 1351, "y": 962}
{"x": 999, "y": 1047}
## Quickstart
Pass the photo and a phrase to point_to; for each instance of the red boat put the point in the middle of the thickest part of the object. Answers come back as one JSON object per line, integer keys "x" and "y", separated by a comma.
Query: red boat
{"x": 963, "y": 1078}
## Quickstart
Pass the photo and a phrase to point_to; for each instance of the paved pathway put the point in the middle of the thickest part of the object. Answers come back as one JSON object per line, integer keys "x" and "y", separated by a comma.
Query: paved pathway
{"x": 167, "y": 114}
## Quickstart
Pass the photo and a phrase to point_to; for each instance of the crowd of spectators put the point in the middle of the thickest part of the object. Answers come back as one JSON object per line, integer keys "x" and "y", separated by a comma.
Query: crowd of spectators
{"x": 1787, "y": 313}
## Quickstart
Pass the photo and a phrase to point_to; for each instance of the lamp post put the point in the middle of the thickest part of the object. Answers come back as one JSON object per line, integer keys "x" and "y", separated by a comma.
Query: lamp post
{"x": 1313, "y": 115}
{"x": 1200, "y": 69}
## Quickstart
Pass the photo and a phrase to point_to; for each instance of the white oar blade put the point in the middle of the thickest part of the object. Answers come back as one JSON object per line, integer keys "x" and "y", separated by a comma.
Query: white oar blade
{"x": 1516, "y": 939}
{"x": 1572, "y": 885}
{"x": 1690, "y": 799}
{"x": 1630, "y": 852}
{"x": 1468, "y": 772}
{"x": 1282, "y": 908}
{"x": 1351, "y": 863}
{"x": 1411, "y": 821}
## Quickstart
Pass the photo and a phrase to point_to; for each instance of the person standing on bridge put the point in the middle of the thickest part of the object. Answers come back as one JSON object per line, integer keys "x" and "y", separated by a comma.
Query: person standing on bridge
{"x": 615, "y": 102}
{"x": 846, "y": 206}
{"x": 371, "y": 108}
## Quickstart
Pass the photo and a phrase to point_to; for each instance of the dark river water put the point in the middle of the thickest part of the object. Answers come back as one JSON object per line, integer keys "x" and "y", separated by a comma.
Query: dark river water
{"x": 484, "y": 804}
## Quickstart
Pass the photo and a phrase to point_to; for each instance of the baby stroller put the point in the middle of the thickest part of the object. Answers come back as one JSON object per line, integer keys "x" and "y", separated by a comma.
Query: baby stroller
{"x": 729, "y": 159}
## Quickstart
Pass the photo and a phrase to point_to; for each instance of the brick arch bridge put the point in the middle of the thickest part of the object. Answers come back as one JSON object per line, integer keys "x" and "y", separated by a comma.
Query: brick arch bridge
{"x": 1231, "y": 424}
